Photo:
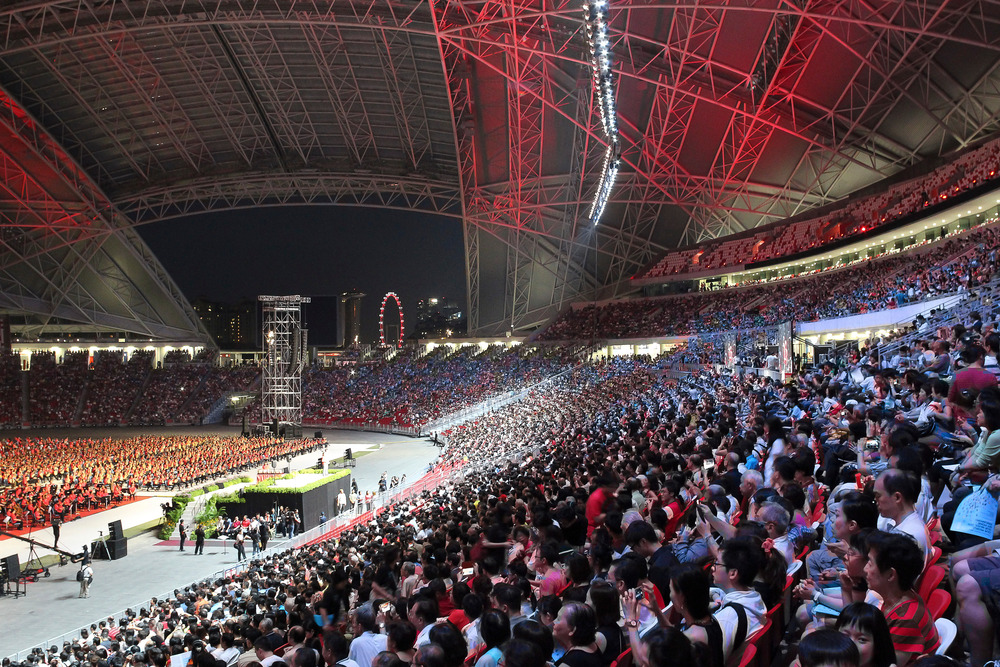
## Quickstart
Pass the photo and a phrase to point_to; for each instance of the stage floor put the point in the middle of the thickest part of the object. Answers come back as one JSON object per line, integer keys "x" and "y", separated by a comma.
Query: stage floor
{"x": 52, "y": 608}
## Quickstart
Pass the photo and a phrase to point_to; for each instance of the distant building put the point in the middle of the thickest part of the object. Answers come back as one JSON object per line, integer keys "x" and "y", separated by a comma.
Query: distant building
{"x": 349, "y": 318}
{"x": 437, "y": 316}
{"x": 232, "y": 326}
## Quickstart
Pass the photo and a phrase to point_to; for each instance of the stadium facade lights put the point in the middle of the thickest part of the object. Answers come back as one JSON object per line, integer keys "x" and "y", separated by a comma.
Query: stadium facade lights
{"x": 595, "y": 14}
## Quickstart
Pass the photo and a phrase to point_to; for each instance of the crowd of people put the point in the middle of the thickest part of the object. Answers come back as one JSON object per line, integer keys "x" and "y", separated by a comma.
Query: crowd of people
{"x": 621, "y": 514}
{"x": 218, "y": 382}
{"x": 44, "y": 478}
{"x": 166, "y": 392}
{"x": 412, "y": 389}
{"x": 114, "y": 386}
{"x": 859, "y": 215}
{"x": 11, "y": 405}
{"x": 955, "y": 265}
{"x": 54, "y": 389}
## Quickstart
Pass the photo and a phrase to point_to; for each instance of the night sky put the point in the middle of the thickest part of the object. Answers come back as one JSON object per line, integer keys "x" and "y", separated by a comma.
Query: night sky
{"x": 315, "y": 251}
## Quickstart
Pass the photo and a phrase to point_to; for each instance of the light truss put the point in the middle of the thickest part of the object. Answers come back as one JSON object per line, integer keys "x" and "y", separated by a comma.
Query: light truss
{"x": 602, "y": 68}
{"x": 285, "y": 352}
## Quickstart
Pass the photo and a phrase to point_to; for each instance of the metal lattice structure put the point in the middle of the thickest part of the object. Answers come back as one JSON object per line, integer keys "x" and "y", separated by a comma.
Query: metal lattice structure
{"x": 119, "y": 113}
{"x": 285, "y": 351}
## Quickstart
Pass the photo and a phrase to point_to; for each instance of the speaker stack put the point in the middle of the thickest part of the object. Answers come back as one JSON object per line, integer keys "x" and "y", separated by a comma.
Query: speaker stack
{"x": 11, "y": 567}
{"x": 117, "y": 544}
{"x": 11, "y": 581}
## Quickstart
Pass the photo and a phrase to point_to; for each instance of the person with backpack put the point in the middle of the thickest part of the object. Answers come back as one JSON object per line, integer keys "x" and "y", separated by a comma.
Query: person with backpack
{"x": 85, "y": 575}
{"x": 735, "y": 571}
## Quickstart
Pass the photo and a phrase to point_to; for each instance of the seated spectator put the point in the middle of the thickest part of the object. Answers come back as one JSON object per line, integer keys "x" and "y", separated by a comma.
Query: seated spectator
{"x": 854, "y": 513}
{"x": 735, "y": 570}
{"x": 894, "y": 565}
{"x": 576, "y": 631}
{"x": 865, "y": 625}
{"x": 896, "y": 493}
{"x": 828, "y": 648}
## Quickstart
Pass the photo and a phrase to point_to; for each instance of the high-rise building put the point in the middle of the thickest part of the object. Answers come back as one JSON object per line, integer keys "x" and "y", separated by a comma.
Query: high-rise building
{"x": 436, "y": 316}
{"x": 233, "y": 326}
{"x": 349, "y": 318}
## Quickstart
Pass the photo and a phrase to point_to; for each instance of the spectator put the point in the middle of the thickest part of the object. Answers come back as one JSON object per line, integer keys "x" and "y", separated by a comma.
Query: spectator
{"x": 894, "y": 564}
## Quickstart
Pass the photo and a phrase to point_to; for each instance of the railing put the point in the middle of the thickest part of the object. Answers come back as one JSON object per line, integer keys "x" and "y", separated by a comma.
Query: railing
{"x": 394, "y": 429}
{"x": 956, "y": 312}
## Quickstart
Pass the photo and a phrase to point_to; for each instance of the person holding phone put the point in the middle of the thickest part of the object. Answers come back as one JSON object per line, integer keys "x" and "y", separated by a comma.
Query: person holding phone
{"x": 367, "y": 642}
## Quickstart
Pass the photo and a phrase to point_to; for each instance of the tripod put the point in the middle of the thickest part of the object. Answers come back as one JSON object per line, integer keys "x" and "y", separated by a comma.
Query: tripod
{"x": 101, "y": 546}
{"x": 38, "y": 569}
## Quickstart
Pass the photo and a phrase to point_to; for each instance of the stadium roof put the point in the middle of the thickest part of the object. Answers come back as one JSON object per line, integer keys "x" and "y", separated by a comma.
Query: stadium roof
{"x": 732, "y": 114}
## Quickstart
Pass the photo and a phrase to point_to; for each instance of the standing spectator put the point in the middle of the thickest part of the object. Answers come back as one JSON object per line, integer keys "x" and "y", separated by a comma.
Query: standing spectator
{"x": 86, "y": 578}
{"x": 265, "y": 533}
{"x": 238, "y": 543}
{"x": 599, "y": 502}
{"x": 199, "y": 540}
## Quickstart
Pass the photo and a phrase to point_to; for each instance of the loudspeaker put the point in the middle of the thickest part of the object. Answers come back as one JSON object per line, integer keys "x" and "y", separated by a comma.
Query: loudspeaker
{"x": 118, "y": 549}
{"x": 348, "y": 455}
{"x": 274, "y": 426}
{"x": 11, "y": 568}
{"x": 115, "y": 531}
{"x": 318, "y": 435}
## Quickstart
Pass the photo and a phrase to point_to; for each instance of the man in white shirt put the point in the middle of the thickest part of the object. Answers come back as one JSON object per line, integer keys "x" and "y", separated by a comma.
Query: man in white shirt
{"x": 734, "y": 572}
{"x": 266, "y": 657}
{"x": 896, "y": 494}
{"x": 771, "y": 362}
{"x": 423, "y": 615}
{"x": 776, "y": 521}
{"x": 367, "y": 642}
{"x": 226, "y": 652}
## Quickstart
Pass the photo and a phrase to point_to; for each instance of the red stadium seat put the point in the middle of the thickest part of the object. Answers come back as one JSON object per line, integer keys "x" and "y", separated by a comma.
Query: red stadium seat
{"x": 623, "y": 660}
{"x": 938, "y": 603}
{"x": 930, "y": 580}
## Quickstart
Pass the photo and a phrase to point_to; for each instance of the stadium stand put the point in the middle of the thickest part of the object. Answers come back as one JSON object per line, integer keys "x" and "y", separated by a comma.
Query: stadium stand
{"x": 955, "y": 264}
{"x": 623, "y": 509}
{"x": 412, "y": 389}
{"x": 977, "y": 168}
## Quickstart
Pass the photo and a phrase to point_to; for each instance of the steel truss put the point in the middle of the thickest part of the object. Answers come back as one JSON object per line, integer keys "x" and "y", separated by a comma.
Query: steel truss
{"x": 67, "y": 254}
{"x": 285, "y": 352}
{"x": 479, "y": 109}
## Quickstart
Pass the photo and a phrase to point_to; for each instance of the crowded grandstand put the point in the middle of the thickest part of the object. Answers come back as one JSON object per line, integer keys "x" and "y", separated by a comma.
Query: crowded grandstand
{"x": 689, "y": 507}
{"x": 729, "y": 394}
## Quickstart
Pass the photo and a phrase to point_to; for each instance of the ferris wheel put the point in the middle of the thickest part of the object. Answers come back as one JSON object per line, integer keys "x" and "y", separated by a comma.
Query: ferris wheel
{"x": 381, "y": 319}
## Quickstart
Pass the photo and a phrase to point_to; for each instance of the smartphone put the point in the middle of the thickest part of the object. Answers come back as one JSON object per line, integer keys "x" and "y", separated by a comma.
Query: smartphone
{"x": 468, "y": 571}
{"x": 385, "y": 607}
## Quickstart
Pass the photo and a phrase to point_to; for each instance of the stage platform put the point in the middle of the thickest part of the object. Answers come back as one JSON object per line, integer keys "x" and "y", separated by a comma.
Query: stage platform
{"x": 52, "y": 607}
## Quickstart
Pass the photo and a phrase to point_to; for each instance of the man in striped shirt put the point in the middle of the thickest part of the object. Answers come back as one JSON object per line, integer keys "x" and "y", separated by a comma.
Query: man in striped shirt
{"x": 894, "y": 565}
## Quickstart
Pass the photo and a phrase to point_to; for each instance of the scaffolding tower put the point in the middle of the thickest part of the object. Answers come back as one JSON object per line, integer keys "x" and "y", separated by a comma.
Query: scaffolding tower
{"x": 285, "y": 352}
